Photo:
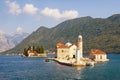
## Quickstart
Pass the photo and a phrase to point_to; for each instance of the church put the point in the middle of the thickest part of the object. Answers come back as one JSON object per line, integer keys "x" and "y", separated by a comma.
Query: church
{"x": 66, "y": 51}
{"x": 72, "y": 55}
{"x": 70, "y": 51}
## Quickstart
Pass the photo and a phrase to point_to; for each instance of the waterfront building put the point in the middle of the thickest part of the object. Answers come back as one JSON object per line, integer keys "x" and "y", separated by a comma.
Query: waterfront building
{"x": 67, "y": 51}
{"x": 70, "y": 51}
{"x": 72, "y": 55}
{"x": 31, "y": 52}
{"x": 98, "y": 55}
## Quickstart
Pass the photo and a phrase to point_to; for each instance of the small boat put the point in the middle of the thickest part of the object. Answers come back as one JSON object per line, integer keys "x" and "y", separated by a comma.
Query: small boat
{"x": 90, "y": 64}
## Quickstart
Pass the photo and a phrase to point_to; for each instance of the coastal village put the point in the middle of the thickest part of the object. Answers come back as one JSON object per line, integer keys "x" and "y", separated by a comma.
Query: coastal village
{"x": 72, "y": 55}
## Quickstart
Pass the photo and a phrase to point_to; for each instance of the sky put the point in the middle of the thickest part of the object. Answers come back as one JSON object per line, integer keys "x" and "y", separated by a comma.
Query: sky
{"x": 29, "y": 15}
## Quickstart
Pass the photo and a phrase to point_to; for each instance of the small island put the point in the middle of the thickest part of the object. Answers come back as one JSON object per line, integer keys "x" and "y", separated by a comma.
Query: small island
{"x": 33, "y": 51}
{"x": 72, "y": 55}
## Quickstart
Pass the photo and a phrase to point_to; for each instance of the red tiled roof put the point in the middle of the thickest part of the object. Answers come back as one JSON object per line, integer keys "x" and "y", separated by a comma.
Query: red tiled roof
{"x": 60, "y": 45}
{"x": 97, "y": 51}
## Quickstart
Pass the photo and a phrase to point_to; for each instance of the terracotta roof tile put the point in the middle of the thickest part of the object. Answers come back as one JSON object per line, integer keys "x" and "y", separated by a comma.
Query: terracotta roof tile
{"x": 60, "y": 45}
{"x": 97, "y": 51}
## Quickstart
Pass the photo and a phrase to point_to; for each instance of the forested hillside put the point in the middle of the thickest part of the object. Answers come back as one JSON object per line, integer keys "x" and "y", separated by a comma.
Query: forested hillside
{"x": 98, "y": 33}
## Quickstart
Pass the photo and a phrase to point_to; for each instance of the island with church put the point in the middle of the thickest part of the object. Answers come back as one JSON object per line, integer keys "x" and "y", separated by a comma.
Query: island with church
{"x": 33, "y": 51}
{"x": 72, "y": 55}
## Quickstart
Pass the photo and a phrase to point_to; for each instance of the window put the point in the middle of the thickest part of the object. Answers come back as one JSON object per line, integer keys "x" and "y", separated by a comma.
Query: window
{"x": 100, "y": 57}
{"x": 62, "y": 51}
{"x": 73, "y": 56}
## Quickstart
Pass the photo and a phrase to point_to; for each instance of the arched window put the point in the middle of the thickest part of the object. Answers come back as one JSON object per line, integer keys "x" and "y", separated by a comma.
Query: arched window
{"x": 100, "y": 57}
{"x": 62, "y": 51}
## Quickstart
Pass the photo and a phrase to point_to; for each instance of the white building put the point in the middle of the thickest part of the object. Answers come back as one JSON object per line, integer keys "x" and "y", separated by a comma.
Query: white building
{"x": 98, "y": 55}
{"x": 70, "y": 51}
{"x": 66, "y": 51}
{"x": 72, "y": 54}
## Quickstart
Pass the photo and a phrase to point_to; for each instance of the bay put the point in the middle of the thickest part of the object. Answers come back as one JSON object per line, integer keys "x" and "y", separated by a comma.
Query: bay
{"x": 19, "y": 68}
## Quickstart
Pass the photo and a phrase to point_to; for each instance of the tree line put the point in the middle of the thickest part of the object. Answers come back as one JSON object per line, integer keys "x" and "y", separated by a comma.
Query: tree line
{"x": 37, "y": 50}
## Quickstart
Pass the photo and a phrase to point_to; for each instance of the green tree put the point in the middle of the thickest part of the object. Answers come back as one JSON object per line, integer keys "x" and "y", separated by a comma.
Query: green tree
{"x": 25, "y": 52}
{"x": 41, "y": 49}
{"x": 38, "y": 49}
{"x": 29, "y": 48}
{"x": 34, "y": 48}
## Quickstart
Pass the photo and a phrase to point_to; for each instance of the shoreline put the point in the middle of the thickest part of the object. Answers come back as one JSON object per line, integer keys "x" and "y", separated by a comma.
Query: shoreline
{"x": 69, "y": 63}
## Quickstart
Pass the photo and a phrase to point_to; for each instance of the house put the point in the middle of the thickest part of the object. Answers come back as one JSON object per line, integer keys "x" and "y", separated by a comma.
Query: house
{"x": 31, "y": 52}
{"x": 66, "y": 51}
{"x": 98, "y": 55}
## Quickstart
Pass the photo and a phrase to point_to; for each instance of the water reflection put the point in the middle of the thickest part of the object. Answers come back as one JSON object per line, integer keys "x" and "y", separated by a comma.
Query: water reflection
{"x": 77, "y": 74}
{"x": 68, "y": 72}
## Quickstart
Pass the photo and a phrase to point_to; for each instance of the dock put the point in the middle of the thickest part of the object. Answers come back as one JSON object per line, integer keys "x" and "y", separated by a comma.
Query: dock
{"x": 70, "y": 63}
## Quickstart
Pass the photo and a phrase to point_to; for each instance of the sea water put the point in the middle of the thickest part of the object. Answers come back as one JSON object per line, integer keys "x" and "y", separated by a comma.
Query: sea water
{"x": 21, "y": 68}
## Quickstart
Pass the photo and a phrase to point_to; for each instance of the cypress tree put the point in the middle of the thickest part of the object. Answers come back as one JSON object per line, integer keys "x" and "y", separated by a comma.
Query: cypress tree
{"x": 25, "y": 52}
{"x": 41, "y": 49}
{"x": 38, "y": 49}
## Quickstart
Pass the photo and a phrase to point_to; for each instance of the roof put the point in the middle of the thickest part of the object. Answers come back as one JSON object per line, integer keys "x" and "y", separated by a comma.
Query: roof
{"x": 97, "y": 51}
{"x": 60, "y": 45}
{"x": 68, "y": 44}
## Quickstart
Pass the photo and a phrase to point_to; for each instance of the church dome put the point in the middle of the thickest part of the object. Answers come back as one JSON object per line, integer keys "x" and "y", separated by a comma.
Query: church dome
{"x": 68, "y": 44}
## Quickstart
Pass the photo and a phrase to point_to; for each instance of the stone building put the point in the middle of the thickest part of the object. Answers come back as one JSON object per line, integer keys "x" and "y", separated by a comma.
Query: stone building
{"x": 70, "y": 51}
{"x": 98, "y": 55}
{"x": 66, "y": 51}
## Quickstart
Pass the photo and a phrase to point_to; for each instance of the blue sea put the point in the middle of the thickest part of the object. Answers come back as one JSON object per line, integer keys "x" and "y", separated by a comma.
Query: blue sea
{"x": 20, "y": 68}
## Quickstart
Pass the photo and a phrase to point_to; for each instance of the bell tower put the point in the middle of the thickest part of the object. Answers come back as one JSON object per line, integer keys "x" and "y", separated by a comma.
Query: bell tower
{"x": 80, "y": 46}
{"x": 79, "y": 53}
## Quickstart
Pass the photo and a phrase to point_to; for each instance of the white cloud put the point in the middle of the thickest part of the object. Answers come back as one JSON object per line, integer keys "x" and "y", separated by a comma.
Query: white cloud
{"x": 30, "y": 9}
{"x": 19, "y": 30}
{"x": 14, "y": 8}
{"x": 55, "y": 13}
{"x": 70, "y": 14}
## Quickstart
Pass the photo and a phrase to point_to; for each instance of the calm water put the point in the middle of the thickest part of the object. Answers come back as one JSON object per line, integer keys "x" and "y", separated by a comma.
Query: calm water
{"x": 18, "y": 68}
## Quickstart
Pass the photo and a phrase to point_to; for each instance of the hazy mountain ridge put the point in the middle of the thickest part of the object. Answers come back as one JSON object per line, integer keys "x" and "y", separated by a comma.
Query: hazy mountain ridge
{"x": 5, "y": 44}
{"x": 97, "y": 33}
{"x": 8, "y": 41}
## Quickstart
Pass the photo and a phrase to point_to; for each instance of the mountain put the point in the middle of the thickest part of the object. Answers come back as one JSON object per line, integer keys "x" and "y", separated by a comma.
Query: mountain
{"x": 5, "y": 44}
{"x": 98, "y": 33}
{"x": 9, "y": 41}
{"x": 16, "y": 38}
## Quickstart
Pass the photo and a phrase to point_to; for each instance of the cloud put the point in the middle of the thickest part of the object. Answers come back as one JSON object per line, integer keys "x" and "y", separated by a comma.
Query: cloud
{"x": 55, "y": 13}
{"x": 19, "y": 30}
{"x": 30, "y": 9}
{"x": 14, "y": 8}
{"x": 70, "y": 14}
